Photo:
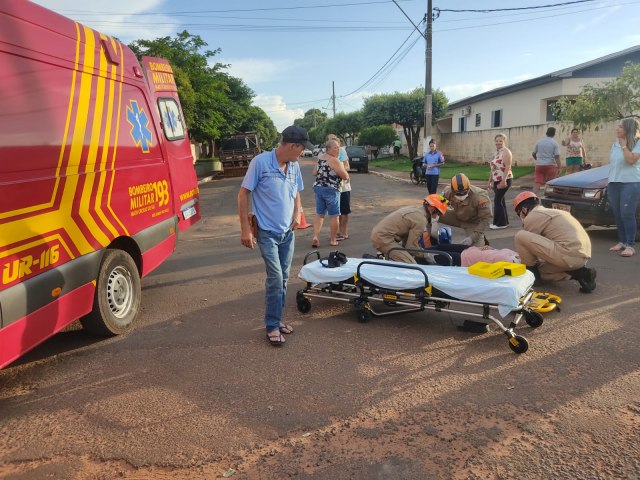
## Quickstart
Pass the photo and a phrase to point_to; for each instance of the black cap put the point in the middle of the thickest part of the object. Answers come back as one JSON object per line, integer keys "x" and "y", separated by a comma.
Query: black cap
{"x": 295, "y": 134}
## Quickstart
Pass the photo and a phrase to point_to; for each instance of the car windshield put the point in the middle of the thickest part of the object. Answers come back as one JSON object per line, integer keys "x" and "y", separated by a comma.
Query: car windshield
{"x": 356, "y": 151}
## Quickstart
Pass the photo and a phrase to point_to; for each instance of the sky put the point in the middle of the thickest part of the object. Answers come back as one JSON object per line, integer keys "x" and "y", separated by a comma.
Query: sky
{"x": 297, "y": 54}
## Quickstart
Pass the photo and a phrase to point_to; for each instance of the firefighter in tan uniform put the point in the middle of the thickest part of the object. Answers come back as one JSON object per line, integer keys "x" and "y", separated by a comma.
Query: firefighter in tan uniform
{"x": 553, "y": 244}
{"x": 469, "y": 209}
{"x": 405, "y": 227}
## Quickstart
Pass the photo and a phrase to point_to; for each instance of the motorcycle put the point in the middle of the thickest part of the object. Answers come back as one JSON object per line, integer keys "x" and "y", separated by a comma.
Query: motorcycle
{"x": 417, "y": 173}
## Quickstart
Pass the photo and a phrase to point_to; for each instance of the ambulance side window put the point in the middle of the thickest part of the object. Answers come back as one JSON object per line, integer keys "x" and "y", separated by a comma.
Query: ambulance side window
{"x": 172, "y": 121}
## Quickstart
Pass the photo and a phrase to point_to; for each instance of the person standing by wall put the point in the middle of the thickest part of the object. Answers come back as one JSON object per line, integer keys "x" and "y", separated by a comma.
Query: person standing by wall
{"x": 546, "y": 154}
{"x": 500, "y": 180}
{"x": 397, "y": 144}
{"x": 431, "y": 162}
{"x": 576, "y": 154}
{"x": 273, "y": 180}
{"x": 624, "y": 184}
{"x": 329, "y": 174}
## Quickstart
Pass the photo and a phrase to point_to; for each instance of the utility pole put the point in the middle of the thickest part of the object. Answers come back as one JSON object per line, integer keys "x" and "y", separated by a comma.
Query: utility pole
{"x": 427, "y": 79}
{"x": 333, "y": 96}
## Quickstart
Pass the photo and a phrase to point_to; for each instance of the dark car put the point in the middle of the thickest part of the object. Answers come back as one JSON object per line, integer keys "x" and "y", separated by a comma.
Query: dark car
{"x": 358, "y": 158}
{"x": 584, "y": 195}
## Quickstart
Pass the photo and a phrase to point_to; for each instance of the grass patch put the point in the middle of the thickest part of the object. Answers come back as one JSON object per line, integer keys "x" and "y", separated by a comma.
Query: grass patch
{"x": 473, "y": 171}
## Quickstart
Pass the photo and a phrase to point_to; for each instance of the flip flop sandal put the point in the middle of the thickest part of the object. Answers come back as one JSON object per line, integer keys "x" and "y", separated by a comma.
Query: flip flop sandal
{"x": 286, "y": 329}
{"x": 315, "y": 244}
{"x": 618, "y": 247}
{"x": 627, "y": 252}
{"x": 275, "y": 339}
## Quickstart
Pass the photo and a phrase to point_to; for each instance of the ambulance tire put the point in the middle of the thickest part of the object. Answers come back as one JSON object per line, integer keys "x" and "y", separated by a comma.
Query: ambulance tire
{"x": 117, "y": 298}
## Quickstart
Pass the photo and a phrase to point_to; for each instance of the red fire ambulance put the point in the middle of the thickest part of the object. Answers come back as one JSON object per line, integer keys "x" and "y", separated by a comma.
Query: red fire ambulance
{"x": 96, "y": 177}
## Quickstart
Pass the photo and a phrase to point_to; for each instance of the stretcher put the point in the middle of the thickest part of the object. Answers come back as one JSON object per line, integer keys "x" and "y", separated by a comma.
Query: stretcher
{"x": 378, "y": 287}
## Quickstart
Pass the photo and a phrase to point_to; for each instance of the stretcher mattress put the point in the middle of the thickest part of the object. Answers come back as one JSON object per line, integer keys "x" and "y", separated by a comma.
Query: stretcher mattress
{"x": 455, "y": 282}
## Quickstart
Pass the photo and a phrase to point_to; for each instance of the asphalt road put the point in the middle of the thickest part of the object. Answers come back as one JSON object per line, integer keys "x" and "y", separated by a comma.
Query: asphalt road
{"x": 196, "y": 392}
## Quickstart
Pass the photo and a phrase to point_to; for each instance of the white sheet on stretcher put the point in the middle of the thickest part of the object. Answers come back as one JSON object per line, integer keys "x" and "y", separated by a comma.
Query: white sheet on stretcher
{"x": 455, "y": 282}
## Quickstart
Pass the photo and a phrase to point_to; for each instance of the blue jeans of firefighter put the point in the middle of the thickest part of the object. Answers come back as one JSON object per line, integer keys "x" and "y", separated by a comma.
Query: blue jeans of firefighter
{"x": 277, "y": 253}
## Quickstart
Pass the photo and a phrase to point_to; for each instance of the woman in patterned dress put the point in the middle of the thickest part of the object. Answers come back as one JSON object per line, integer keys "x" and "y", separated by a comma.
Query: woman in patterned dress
{"x": 499, "y": 181}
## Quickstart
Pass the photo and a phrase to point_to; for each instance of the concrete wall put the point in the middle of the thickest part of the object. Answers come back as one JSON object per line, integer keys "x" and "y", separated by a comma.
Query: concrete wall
{"x": 479, "y": 146}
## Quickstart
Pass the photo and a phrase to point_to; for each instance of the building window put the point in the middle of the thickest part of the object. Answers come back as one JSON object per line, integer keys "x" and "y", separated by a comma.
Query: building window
{"x": 496, "y": 118}
{"x": 477, "y": 119}
{"x": 463, "y": 124}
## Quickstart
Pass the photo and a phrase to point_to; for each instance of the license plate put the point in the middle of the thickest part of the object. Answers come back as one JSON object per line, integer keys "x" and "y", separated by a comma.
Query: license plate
{"x": 561, "y": 206}
{"x": 188, "y": 213}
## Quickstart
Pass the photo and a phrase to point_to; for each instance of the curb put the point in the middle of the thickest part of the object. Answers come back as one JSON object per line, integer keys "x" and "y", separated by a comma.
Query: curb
{"x": 476, "y": 183}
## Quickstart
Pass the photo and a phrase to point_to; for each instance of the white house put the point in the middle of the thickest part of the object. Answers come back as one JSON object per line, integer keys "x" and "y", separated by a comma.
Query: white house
{"x": 523, "y": 110}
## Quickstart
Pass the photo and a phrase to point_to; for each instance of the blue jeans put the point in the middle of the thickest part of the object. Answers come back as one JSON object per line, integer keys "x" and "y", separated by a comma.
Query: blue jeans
{"x": 624, "y": 199}
{"x": 277, "y": 253}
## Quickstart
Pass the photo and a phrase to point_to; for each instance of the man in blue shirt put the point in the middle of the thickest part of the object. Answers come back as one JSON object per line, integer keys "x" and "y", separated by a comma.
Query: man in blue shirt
{"x": 431, "y": 163}
{"x": 274, "y": 182}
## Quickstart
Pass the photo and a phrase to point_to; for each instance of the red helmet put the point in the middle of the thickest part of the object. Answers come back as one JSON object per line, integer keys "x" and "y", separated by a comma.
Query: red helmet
{"x": 436, "y": 201}
{"x": 521, "y": 197}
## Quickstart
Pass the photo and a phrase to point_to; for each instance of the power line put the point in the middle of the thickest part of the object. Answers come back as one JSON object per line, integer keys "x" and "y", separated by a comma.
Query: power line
{"x": 197, "y": 12}
{"x": 382, "y": 67}
{"x": 509, "y": 9}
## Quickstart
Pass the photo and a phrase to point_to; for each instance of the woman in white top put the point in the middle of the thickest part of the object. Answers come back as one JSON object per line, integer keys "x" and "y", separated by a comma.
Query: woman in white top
{"x": 576, "y": 154}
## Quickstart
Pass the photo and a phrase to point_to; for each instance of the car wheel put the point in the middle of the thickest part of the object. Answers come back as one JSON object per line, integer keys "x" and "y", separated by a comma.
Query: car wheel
{"x": 365, "y": 169}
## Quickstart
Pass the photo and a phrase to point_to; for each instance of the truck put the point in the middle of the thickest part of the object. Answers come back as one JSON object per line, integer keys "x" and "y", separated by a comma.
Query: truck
{"x": 96, "y": 177}
{"x": 237, "y": 151}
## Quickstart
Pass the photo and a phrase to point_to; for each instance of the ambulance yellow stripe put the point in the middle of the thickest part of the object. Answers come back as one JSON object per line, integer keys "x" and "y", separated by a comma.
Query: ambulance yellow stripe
{"x": 115, "y": 140}
{"x": 49, "y": 204}
{"x": 105, "y": 150}
{"x": 77, "y": 146}
{"x": 37, "y": 242}
{"x": 94, "y": 143}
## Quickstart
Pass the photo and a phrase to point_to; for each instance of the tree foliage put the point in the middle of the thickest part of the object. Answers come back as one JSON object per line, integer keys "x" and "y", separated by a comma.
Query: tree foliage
{"x": 609, "y": 101}
{"x": 378, "y": 136}
{"x": 405, "y": 109}
{"x": 215, "y": 104}
{"x": 313, "y": 118}
{"x": 345, "y": 125}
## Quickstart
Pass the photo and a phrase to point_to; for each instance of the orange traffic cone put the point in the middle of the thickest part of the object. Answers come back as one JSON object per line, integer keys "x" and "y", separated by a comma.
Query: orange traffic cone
{"x": 303, "y": 221}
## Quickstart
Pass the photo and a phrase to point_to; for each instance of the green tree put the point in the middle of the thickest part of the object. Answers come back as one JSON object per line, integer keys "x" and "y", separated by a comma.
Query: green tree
{"x": 345, "y": 125}
{"x": 215, "y": 104}
{"x": 405, "y": 109}
{"x": 313, "y": 118}
{"x": 596, "y": 104}
{"x": 378, "y": 136}
{"x": 256, "y": 120}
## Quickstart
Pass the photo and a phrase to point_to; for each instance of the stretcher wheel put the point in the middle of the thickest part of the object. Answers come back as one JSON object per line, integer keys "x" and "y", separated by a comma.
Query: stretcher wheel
{"x": 533, "y": 319}
{"x": 304, "y": 305}
{"x": 518, "y": 344}
{"x": 362, "y": 311}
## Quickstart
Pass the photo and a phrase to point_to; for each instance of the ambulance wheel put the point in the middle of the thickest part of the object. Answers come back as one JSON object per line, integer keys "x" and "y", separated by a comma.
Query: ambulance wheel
{"x": 518, "y": 344}
{"x": 304, "y": 305}
{"x": 117, "y": 298}
{"x": 533, "y": 319}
